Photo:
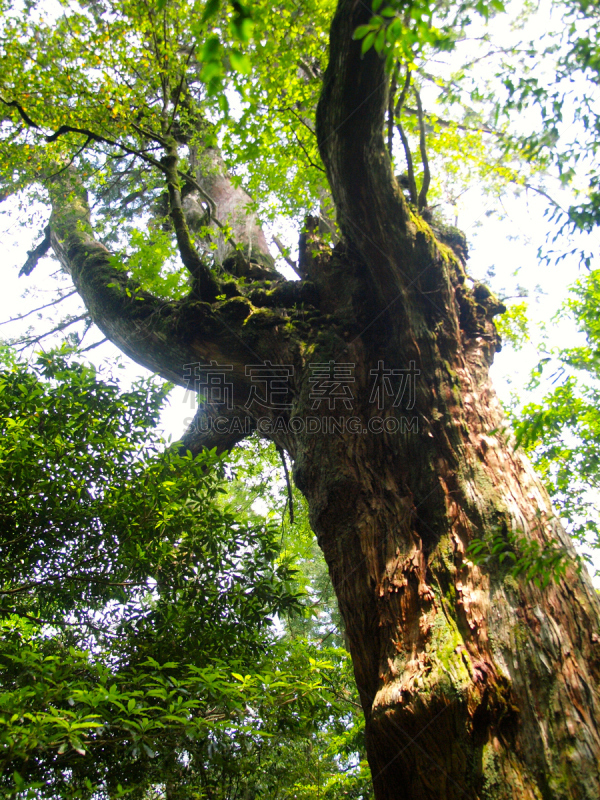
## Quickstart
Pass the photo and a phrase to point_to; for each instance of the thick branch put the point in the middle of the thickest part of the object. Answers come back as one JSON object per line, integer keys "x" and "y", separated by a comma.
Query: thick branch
{"x": 149, "y": 330}
{"x": 372, "y": 212}
{"x": 216, "y": 427}
{"x": 183, "y": 340}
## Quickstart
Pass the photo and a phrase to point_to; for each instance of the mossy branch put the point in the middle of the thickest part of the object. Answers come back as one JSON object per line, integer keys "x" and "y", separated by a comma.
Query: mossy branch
{"x": 207, "y": 285}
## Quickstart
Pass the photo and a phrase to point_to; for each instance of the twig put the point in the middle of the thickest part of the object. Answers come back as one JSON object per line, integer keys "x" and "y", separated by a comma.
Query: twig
{"x": 61, "y": 327}
{"x": 448, "y": 123}
{"x": 72, "y": 159}
{"x": 92, "y": 346}
{"x": 304, "y": 150}
{"x": 544, "y": 194}
{"x": 40, "y": 308}
{"x": 289, "y": 485}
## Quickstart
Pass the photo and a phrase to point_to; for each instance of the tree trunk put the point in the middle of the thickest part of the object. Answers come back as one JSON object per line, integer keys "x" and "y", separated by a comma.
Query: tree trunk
{"x": 473, "y": 684}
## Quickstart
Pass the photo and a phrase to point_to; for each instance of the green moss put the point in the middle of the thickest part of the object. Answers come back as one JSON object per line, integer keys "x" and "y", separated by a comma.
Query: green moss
{"x": 492, "y": 775}
{"x": 451, "y": 372}
{"x": 236, "y": 308}
{"x": 446, "y": 648}
{"x": 230, "y": 289}
{"x": 262, "y": 318}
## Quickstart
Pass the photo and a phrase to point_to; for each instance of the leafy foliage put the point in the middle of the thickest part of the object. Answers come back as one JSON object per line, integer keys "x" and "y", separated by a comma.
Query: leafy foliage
{"x": 136, "y": 609}
{"x": 513, "y": 325}
{"x": 522, "y": 556}
{"x": 561, "y": 428}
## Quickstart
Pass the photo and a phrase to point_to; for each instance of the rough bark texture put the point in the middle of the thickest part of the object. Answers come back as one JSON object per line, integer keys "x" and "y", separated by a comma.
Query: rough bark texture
{"x": 473, "y": 684}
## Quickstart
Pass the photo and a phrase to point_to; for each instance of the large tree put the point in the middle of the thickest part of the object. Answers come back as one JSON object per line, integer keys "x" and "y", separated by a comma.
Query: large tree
{"x": 371, "y": 371}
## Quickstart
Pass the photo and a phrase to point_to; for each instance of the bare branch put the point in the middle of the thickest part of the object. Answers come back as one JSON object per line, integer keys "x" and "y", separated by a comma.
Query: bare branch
{"x": 402, "y": 98}
{"x": 24, "y": 116}
{"x": 40, "y": 308}
{"x": 206, "y": 283}
{"x": 545, "y": 195}
{"x": 93, "y": 346}
{"x": 448, "y": 123}
{"x": 390, "y": 122}
{"x": 33, "y": 256}
{"x": 304, "y": 150}
{"x": 423, "y": 147}
{"x": 412, "y": 185}
{"x": 283, "y": 252}
{"x": 29, "y": 340}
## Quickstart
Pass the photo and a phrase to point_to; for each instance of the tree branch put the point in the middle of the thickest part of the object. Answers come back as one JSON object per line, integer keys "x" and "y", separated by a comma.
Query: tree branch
{"x": 23, "y": 114}
{"x": 423, "y": 147}
{"x": 410, "y": 171}
{"x": 281, "y": 452}
{"x": 206, "y": 283}
{"x": 214, "y": 426}
{"x": 33, "y": 256}
{"x": 283, "y": 252}
{"x": 136, "y": 321}
{"x": 372, "y": 213}
{"x": 40, "y": 308}
{"x": 403, "y": 93}
{"x": 447, "y": 123}
{"x": 390, "y": 122}
{"x": 29, "y": 340}
{"x": 173, "y": 338}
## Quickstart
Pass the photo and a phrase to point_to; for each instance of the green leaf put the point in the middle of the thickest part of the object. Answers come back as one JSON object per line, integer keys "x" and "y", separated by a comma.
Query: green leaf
{"x": 368, "y": 42}
{"x": 211, "y": 9}
{"x": 362, "y": 31}
{"x": 240, "y": 62}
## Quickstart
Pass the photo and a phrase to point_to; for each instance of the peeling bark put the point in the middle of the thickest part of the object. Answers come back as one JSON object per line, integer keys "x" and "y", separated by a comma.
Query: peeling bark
{"x": 473, "y": 684}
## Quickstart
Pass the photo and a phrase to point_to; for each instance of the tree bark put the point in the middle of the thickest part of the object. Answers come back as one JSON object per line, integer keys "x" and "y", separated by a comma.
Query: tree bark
{"x": 473, "y": 684}
{"x": 233, "y": 208}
